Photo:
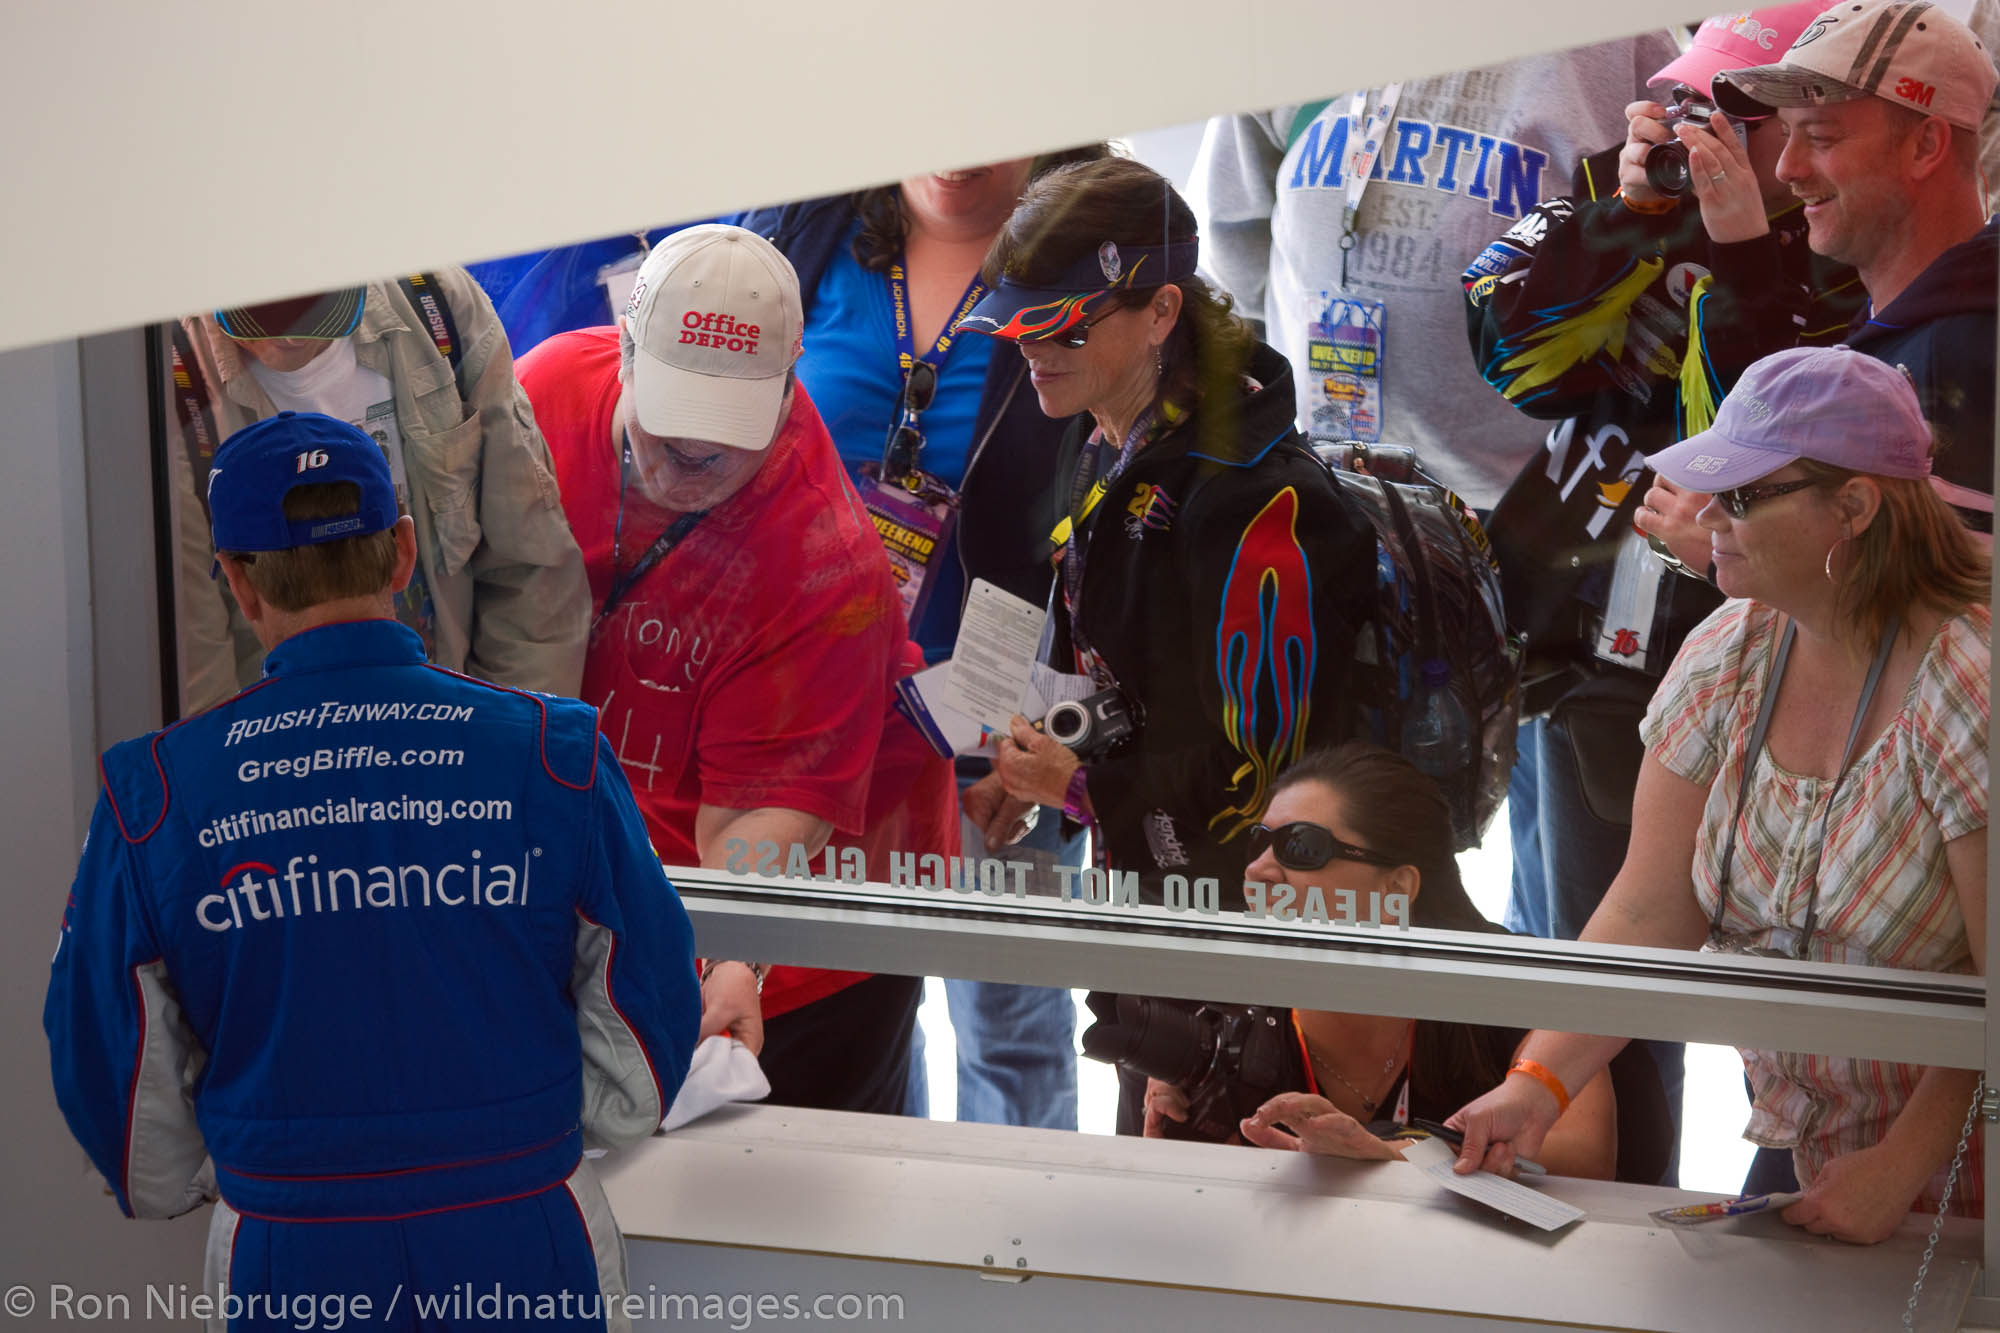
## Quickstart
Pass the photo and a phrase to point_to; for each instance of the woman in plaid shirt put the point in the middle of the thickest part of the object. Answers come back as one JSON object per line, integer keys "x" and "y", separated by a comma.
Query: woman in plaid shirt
{"x": 1815, "y": 779}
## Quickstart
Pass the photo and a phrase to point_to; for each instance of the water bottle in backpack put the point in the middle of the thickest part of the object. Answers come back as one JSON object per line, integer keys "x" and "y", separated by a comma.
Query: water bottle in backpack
{"x": 1437, "y": 737}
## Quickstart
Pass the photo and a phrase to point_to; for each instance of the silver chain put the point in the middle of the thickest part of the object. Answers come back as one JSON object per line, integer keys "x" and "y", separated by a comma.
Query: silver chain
{"x": 1944, "y": 1204}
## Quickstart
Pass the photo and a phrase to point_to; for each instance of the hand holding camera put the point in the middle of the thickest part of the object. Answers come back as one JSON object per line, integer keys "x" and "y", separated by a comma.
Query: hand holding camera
{"x": 1035, "y": 762}
{"x": 1687, "y": 147}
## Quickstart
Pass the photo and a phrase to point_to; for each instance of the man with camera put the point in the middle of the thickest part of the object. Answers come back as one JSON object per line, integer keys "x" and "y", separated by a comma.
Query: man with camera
{"x": 1882, "y": 103}
{"x": 746, "y": 633}
{"x": 1621, "y": 314}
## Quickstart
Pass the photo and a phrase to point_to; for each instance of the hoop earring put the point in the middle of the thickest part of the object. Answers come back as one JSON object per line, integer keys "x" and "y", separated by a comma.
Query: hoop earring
{"x": 1838, "y": 543}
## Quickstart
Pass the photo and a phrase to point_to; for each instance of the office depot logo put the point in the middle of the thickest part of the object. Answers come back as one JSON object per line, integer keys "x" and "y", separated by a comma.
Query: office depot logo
{"x": 713, "y": 329}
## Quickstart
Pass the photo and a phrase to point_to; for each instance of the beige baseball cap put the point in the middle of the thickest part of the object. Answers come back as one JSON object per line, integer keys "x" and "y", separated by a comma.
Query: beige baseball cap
{"x": 716, "y": 319}
{"x": 1908, "y": 52}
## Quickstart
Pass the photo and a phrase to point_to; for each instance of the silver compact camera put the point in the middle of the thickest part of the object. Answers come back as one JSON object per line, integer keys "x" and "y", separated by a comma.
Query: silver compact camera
{"x": 1093, "y": 725}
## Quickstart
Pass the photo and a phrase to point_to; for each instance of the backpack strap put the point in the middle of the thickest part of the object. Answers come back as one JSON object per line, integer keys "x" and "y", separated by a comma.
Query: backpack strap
{"x": 192, "y": 409}
{"x": 423, "y": 293}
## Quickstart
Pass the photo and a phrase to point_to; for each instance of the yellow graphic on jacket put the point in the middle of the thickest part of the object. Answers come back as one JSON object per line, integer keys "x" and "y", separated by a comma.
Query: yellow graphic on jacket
{"x": 1574, "y": 334}
{"x": 1700, "y": 394}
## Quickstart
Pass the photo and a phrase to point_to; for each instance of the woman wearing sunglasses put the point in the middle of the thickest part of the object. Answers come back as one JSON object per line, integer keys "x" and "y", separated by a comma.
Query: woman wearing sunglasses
{"x": 1208, "y": 568}
{"x": 1363, "y": 819}
{"x": 1815, "y": 782}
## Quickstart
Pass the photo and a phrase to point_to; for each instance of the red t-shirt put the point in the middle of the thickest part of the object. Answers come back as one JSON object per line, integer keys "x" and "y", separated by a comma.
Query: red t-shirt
{"x": 754, "y": 664}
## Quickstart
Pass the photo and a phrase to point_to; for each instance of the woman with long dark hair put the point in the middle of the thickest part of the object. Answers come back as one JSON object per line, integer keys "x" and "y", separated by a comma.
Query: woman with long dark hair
{"x": 1362, "y": 819}
{"x": 1210, "y": 574}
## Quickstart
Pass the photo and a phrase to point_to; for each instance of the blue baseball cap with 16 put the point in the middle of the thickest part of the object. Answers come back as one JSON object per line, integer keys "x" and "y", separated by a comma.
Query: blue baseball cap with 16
{"x": 259, "y": 465}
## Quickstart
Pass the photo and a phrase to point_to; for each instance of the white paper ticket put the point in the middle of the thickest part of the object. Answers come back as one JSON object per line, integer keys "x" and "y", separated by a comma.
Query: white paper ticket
{"x": 994, "y": 657}
{"x": 1434, "y": 1158}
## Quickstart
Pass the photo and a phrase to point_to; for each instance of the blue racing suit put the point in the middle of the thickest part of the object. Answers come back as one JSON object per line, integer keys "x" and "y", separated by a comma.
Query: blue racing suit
{"x": 389, "y": 946}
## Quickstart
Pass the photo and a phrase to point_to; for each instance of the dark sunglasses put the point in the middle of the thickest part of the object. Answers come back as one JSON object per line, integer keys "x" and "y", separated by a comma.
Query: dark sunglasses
{"x": 1308, "y": 847}
{"x": 1739, "y": 501}
{"x": 1078, "y": 336}
{"x": 919, "y": 388}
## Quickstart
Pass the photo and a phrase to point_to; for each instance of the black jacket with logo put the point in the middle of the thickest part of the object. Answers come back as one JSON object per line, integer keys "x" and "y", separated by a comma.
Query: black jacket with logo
{"x": 1224, "y": 580}
{"x": 1625, "y": 329}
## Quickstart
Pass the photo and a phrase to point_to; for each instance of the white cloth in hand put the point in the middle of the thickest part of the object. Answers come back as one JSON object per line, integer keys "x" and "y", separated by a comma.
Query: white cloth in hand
{"x": 723, "y": 1070}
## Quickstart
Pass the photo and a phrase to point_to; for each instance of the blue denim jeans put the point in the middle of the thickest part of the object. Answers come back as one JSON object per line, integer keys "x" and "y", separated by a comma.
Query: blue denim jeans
{"x": 1565, "y": 858}
{"x": 1016, "y": 1044}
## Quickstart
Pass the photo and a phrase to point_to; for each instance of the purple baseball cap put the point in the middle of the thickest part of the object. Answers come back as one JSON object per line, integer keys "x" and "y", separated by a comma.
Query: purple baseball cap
{"x": 1832, "y": 404}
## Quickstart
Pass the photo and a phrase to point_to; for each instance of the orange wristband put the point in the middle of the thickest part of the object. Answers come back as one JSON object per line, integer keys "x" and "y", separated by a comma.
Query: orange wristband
{"x": 1541, "y": 1073}
{"x": 1651, "y": 210}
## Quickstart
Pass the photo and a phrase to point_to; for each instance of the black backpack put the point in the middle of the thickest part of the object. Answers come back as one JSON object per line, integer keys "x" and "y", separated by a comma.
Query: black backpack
{"x": 1437, "y": 600}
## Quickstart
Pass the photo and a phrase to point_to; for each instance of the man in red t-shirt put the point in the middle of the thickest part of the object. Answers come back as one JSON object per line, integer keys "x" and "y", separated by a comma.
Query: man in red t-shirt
{"x": 746, "y": 632}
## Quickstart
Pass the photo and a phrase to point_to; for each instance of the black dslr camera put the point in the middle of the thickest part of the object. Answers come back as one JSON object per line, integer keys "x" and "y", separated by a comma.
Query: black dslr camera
{"x": 1093, "y": 725}
{"x": 1667, "y": 163}
{"x": 1229, "y": 1059}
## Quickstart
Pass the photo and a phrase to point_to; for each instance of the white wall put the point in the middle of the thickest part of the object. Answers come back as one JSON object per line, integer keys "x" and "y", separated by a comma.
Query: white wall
{"x": 57, "y": 1224}
{"x": 458, "y": 131}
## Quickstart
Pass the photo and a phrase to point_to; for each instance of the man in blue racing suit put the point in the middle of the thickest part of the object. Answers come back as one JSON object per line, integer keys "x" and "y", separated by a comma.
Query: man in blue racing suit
{"x": 372, "y": 951}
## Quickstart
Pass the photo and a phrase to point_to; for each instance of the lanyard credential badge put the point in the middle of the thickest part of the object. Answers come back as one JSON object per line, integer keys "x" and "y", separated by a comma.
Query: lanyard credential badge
{"x": 1346, "y": 354}
{"x": 913, "y": 529}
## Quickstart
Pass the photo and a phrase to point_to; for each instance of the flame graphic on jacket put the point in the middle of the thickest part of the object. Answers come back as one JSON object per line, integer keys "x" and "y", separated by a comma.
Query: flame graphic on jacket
{"x": 1265, "y": 654}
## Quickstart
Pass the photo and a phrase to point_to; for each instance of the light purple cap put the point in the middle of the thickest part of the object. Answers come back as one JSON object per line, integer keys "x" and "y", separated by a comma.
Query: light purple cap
{"x": 1833, "y": 404}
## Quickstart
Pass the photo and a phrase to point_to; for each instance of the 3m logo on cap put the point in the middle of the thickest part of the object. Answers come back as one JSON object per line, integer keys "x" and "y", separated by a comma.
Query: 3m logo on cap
{"x": 713, "y": 329}
{"x": 1915, "y": 90}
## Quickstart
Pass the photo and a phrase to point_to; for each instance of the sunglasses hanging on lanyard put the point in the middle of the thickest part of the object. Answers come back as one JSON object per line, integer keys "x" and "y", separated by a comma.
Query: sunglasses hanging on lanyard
{"x": 913, "y": 510}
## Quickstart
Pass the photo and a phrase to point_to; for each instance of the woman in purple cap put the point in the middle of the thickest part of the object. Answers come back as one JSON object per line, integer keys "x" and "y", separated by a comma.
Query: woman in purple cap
{"x": 1815, "y": 779}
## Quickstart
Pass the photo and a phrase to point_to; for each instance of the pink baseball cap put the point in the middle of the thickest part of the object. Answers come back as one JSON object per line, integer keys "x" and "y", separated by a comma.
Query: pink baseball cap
{"x": 1832, "y": 404}
{"x": 1737, "y": 40}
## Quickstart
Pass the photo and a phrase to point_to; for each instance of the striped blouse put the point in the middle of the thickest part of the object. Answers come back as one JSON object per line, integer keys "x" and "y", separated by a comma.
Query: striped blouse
{"x": 1885, "y": 891}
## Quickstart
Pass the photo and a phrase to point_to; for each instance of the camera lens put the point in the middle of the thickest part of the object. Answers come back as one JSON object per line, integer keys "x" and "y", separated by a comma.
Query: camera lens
{"x": 1160, "y": 1038}
{"x": 1667, "y": 169}
{"x": 1067, "y": 723}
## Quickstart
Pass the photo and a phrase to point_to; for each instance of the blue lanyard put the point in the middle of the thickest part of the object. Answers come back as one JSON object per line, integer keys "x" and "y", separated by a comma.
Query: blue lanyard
{"x": 899, "y": 314}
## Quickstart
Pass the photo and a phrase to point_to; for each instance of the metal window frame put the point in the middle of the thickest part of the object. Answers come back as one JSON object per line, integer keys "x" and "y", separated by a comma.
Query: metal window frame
{"x": 1768, "y": 1003}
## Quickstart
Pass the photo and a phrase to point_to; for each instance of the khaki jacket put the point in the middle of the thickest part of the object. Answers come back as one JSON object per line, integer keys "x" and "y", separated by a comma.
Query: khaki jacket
{"x": 505, "y": 575}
